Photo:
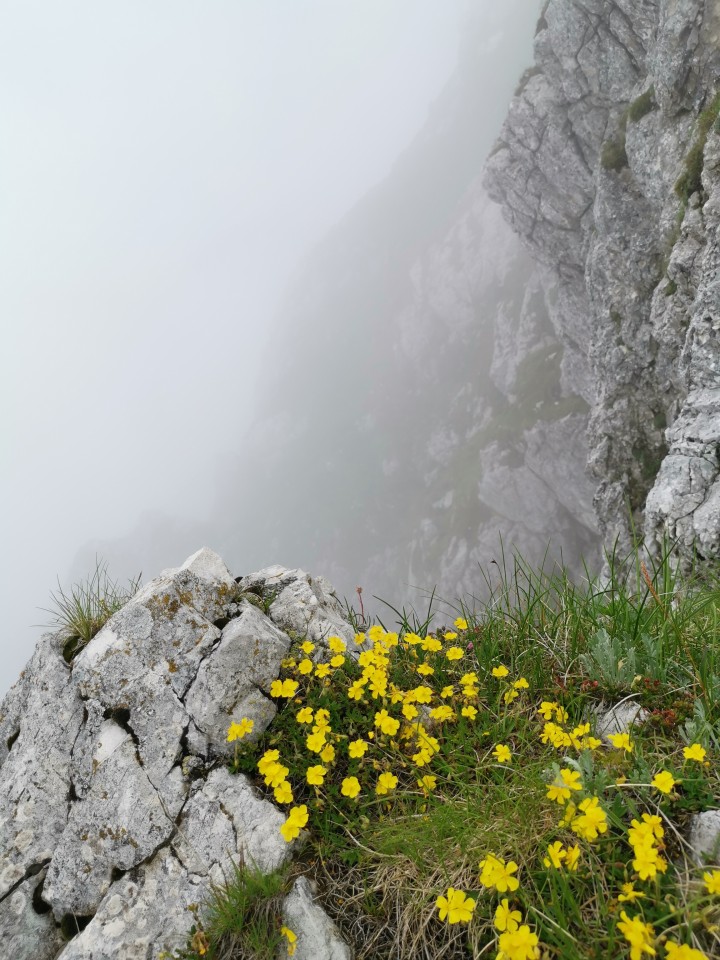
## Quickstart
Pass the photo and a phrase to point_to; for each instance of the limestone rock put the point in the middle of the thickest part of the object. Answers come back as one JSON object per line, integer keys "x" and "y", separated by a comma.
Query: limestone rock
{"x": 306, "y": 605}
{"x": 620, "y": 718}
{"x": 27, "y": 929}
{"x": 705, "y": 837}
{"x": 116, "y": 811}
{"x": 317, "y": 936}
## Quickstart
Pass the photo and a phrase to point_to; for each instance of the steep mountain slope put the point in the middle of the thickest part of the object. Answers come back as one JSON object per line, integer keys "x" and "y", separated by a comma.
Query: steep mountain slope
{"x": 608, "y": 168}
{"x": 413, "y": 410}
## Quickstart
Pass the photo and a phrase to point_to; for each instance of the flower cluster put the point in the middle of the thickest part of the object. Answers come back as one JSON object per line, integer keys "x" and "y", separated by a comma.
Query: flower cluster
{"x": 644, "y": 837}
{"x": 406, "y": 698}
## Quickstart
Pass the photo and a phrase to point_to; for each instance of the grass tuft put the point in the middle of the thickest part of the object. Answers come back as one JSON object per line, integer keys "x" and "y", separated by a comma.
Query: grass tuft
{"x": 241, "y": 919}
{"x": 690, "y": 180}
{"x": 85, "y": 608}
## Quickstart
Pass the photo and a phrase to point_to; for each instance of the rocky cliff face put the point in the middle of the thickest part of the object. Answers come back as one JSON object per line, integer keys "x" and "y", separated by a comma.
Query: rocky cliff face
{"x": 117, "y": 810}
{"x": 608, "y": 168}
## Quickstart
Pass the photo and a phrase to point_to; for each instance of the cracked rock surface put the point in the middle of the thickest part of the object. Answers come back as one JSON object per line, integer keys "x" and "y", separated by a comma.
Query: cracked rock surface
{"x": 586, "y": 169}
{"x": 117, "y": 811}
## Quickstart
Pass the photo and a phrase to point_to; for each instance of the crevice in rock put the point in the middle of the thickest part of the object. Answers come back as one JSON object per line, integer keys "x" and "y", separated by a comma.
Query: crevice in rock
{"x": 222, "y": 622}
{"x": 71, "y": 925}
{"x": 227, "y": 813}
{"x": 39, "y": 905}
{"x": 31, "y": 871}
{"x": 121, "y": 716}
{"x": 12, "y": 738}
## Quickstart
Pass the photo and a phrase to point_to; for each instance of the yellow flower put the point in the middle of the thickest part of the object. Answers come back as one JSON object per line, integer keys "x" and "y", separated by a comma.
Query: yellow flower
{"x": 470, "y": 712}
{"x": 547, "y": 709}
{"x": 447, "y": 692}
{"x": 386, "y": 723}
{"x": 572, "y": 857}
{"x": 304, "y": 716}
{"x": 315, "y": 775}
{"x": 357, "y": 748}
{"x": 428, "y": 782}
{"x": 355, "y": 690}
{"x": 501, "y": 671}
{"x": 695, "y": 752}
{"x": 591, "y": 821}
{"x": 291, "y": 938}
{"x": 639, "y": 935}
{"x": 322, "y": 670}
{"x": 629, "y": 893}
{"x": 664, "y": 781}
{"x": 425, "y": 670}
{"x": 327, "y": 754}
{"x": 502, "y": 753}
{"x": 468, "y": 679}
{"x": 561, "y": 787}
{"x": 267, "y": 760}
{"x": 712, "y": 882}
{"x": 359, "y": 639}
{"x": 555, "y": 856}
{"x": 284, "y": 688}
{"x": 316, "y": 741}
{"x": 422, "y": 694}
{"x": 450, "y": 635}
{"x": 621, "y": 741}
{"x": 494, "y": 872}
{"x": 648, "y": 862}
{"x": 431, "y": 645}
{"x": 454, "y": 653}
{"x": 275, "y": 774}
{"x": 307, "y": 647}
{"x": 455, "y": 906}
{"x": 409, "y": 711}
{"x": 350, "y": 787}
{"x": 461, "y": 623}
{"x": 337, "y": 644}
{"x": 681, "y": 951}
{"x": 510, "y": 695}
{"x": 521, "y": 684}
{"x": 443, "y": 712}
{"x": 199, "y": 943}
{"x": 283, "y": 792}
{"x": 386, "y": 783}
{"x": 505, "y": 918}
{"x": 520, "y": 944}
{"x": 237, "y": 731}
{"x": 322, "y": 719}
{"x": 305, "y": 666}
{"x": 337, "y": 661}
{"x": 297, "y": 818}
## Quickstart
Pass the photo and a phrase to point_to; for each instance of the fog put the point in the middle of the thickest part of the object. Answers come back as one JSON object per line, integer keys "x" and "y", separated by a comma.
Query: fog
{"x": 165, "y": 170}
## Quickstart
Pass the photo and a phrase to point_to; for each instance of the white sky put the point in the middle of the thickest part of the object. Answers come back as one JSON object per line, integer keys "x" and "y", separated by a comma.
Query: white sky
{"x": 163, "y": 166}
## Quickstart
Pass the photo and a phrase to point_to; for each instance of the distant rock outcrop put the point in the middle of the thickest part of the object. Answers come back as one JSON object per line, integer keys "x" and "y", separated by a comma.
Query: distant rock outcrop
{"x": 117, "y": 810}
{"x": 608, "y": 168}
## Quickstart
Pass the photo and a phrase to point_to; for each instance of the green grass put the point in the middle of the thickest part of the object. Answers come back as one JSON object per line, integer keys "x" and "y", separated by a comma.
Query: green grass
{"x": 642, "y": 105}
{"x": 85, "y": 608}
{"x": 690, "y": 181}
{"x": 241, "y": 919}
{"x": 382, "y": 860}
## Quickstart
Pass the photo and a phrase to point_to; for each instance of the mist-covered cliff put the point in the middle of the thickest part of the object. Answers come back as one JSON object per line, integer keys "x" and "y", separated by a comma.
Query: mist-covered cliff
{"x": 413, "y": 412}
{"x": 608, "y": 168}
